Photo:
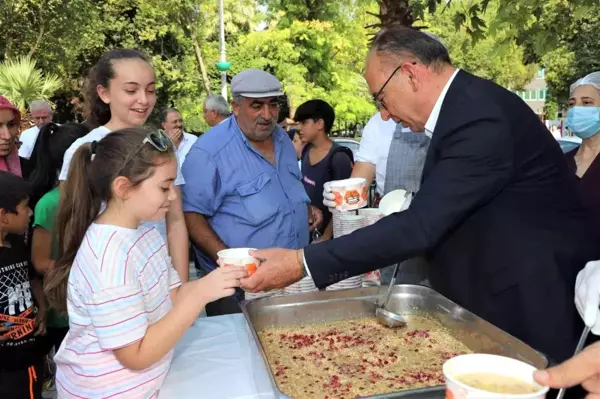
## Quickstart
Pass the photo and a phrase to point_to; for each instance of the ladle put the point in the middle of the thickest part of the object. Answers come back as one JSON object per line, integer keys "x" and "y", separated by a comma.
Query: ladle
{"x": 384, "y": 316}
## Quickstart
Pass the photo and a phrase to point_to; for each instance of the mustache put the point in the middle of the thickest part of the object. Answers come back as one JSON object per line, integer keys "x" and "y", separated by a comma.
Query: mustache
{"x": 260, "y": 119}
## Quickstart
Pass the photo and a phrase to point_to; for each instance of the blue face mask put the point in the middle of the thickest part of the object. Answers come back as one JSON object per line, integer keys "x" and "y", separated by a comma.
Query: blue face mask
{"x": 584, "y": 122}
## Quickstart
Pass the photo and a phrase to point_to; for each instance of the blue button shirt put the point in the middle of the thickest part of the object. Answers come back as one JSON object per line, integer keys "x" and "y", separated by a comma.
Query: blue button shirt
{"x": 248, "y": 201}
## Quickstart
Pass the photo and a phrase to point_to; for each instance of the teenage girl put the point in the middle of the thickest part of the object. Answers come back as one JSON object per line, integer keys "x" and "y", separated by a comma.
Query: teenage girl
{"x": 121, "y": 94}
{"x": 127, "y": 306}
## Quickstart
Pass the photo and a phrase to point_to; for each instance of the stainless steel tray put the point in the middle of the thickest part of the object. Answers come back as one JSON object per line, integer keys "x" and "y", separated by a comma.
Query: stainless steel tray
{"x": 476, "y": 333}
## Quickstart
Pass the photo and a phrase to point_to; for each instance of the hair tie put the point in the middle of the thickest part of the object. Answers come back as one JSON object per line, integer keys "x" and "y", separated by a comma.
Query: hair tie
{"x": 94, "y": 147}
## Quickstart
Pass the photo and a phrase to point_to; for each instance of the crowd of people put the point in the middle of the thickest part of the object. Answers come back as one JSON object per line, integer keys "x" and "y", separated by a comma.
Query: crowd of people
{"x": 499, "y": 221}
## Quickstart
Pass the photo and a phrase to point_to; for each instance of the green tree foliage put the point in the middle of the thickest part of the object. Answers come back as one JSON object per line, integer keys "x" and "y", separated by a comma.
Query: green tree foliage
{"x": 21, "y": 82}
{"x": 316, "y": 47}
{"x": 577, "y": 54}
{"x": 494, "y": 56}
{"x": 313, "y": 60}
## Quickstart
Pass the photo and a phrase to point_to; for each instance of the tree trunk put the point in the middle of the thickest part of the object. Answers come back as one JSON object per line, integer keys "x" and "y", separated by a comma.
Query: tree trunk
{"x": 394, "y": 12}
{"x": 200, "y": 59}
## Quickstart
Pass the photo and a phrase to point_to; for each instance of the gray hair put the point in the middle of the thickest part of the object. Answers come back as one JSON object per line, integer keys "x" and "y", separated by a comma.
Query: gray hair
{"x": 215, "y": 102}
{"x": 40, "y": 105}
{"x": 400, "y": 41}
{"x": 167, "y": 112}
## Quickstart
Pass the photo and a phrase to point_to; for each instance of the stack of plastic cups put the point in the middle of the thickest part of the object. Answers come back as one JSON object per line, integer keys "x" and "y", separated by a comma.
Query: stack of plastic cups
{"x": 346, "y": 223}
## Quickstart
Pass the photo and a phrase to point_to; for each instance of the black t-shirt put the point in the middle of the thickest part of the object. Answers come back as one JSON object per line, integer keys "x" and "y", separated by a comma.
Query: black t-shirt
{"x": 589, "y": 190}
{"x": 336, "y": 165}
{"x": 17, "y": 307}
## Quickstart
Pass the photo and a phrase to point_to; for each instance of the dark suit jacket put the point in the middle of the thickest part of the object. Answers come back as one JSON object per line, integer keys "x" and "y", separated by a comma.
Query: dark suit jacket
{"x": 497, "y": 216}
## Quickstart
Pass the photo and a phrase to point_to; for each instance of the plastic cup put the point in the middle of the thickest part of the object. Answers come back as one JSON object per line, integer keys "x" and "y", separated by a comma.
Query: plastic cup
{"x": 392, "y": 202}
{"x": 488, "y": 364}
{"x": 238, "y": 257}
{"x": 373, "y": 215}
{"x": 350, "y": 194}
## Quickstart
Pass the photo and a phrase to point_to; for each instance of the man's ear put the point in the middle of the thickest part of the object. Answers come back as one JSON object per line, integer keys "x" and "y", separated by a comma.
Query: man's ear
{"x": 163, "y": 124}
{"x": 320, "y": 124}
{"x": 235, "y": 108}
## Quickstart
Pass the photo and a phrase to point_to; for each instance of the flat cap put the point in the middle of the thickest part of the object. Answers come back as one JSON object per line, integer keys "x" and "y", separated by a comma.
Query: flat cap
{"x": 254, "y": 83}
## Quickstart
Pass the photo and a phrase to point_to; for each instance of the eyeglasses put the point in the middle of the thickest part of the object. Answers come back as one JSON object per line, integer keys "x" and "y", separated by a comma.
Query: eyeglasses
{"x": 380, "y": 103}
{"x": 158, "y": 139}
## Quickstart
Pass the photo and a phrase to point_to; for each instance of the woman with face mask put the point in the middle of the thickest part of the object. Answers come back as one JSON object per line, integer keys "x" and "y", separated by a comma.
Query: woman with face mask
{"x": 583, "y": 120}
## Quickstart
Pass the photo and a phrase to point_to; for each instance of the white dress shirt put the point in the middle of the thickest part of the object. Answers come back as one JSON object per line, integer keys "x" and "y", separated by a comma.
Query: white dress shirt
{"x": 184, "y": 147}
{"x": 435, "y": 112}
{"x": 27, "y": 139}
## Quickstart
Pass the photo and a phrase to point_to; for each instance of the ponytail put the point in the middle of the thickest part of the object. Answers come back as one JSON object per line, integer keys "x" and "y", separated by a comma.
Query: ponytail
{"x": 78, "y": 208}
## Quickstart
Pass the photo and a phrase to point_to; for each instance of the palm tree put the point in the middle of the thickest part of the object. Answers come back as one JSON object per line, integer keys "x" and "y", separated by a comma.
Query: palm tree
{"x": 21, "y": 82}
{"x": 394, "y": 12}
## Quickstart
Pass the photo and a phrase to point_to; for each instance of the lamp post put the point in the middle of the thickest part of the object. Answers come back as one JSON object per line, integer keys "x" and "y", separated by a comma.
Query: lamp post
{"x": 222, "y": 65}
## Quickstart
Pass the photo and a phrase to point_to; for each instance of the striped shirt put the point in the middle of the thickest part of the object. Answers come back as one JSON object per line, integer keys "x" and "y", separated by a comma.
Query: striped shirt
{"x": 118, "y": 286}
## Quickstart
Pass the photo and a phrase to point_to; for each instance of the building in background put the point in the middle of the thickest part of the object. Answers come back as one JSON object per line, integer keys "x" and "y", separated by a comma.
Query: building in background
{"x": 535, "y": 93}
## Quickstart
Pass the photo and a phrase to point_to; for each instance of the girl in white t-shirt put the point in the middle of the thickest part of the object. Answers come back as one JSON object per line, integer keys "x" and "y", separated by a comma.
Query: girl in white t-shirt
{"x": 121, "y": 92}
{"x": 126, "y": 304}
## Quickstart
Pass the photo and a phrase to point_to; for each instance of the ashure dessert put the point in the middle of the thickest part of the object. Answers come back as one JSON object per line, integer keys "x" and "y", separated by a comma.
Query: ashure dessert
{"x": 497, "y": 383}
{"x": 358, "y": 357}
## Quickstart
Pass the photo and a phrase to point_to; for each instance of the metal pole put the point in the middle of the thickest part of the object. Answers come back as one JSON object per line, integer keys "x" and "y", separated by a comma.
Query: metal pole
{"x": 223, "y": 52}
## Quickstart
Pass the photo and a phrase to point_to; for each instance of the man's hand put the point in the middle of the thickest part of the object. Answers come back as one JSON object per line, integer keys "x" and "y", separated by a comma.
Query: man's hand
{"x": 583, "y": 369}
{"x": 315, "y": 218}
{"x": 175, "y": 134}
{"x": 40, "y": 324}
{"x": 278, "y": 268}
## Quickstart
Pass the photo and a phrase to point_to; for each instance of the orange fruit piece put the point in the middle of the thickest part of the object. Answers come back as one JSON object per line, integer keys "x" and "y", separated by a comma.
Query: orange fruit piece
{"x": 251, "y": 268}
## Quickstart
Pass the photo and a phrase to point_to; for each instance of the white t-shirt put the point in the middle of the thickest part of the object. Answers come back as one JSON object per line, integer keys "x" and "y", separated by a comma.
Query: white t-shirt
{"x": 184, "y": 147}
{"x": 118, "y": 289}
{"x": 96, "y": 135}
{"x": 375, "y": 146}
{"x": 27, "y": 139}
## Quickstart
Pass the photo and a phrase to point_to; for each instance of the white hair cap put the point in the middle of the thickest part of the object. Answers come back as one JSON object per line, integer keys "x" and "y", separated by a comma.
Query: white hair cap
{"x": 593, "y": 79}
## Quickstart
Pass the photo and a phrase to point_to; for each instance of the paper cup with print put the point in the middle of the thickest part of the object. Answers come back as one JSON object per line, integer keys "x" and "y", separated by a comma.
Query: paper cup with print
{"x": 238, "y": 257}
{"x": 350, "y": 194}
{"x": 481, "y": 376}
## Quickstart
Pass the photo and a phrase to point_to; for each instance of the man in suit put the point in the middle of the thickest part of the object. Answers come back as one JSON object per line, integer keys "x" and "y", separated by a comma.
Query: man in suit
{"x": 496, "y": 214}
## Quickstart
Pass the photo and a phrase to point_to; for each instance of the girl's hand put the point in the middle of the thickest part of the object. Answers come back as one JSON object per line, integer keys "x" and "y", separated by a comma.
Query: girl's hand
{"x": 218, "y": 284}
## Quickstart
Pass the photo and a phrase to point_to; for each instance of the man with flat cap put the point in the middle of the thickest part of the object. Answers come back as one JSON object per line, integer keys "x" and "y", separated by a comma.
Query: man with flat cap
{"x": 243, "y": 186}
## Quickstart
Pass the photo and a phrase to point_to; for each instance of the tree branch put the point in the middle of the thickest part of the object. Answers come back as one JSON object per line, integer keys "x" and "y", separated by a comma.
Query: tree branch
{"x": 38, "y": 40}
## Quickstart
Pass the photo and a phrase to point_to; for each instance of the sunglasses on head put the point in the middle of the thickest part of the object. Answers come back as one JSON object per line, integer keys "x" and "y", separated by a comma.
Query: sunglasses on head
{"x": 157, "y": 139}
